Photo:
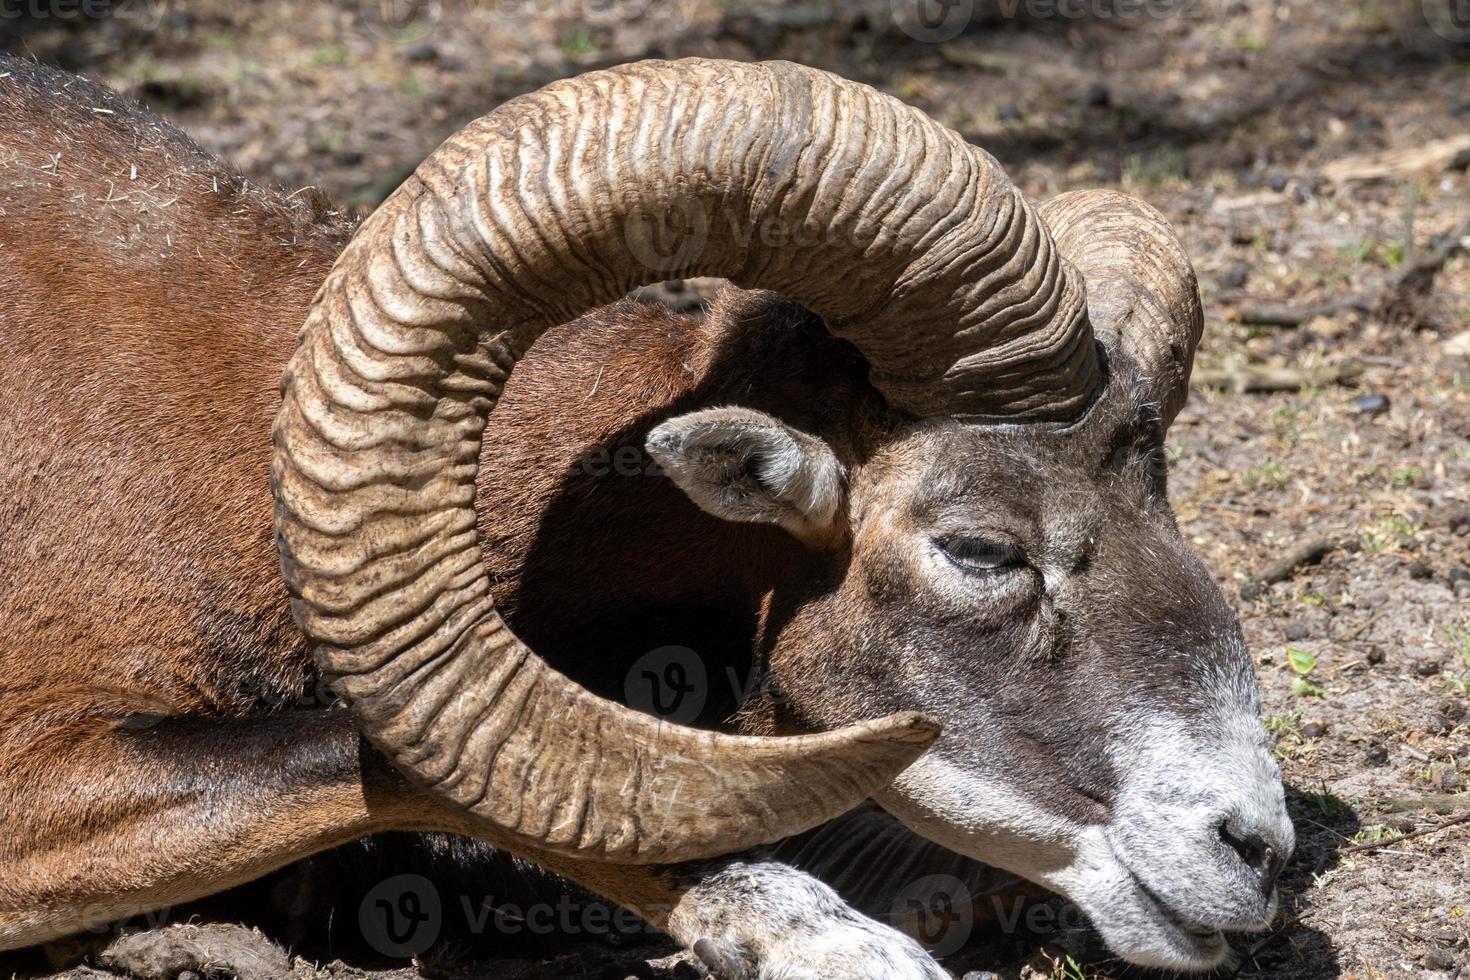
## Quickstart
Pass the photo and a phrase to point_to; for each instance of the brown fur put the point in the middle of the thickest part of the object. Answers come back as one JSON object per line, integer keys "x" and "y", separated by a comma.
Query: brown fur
{"x": 150, "y": 299}
{"x": 163, "y": 734}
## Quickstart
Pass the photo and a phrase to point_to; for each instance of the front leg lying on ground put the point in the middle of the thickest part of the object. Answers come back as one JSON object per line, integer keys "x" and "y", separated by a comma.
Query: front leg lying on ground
{"x": 759, "y": 920}
{"x": 826, "y": 903}
{"x": 756, "y": 916}
{"x": 769, "y": 921}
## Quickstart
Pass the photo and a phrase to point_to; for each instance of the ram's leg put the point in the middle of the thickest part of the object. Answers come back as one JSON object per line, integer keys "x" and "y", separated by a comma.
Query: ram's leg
{"x": 108, "y": 813}
{"x": 755, "y": 919}
{"x": 827, "y": 903}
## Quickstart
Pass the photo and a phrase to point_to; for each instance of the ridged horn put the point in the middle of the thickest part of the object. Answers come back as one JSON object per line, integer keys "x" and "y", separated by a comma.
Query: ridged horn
{"x": 1141, "y": 290}
{"x": 911, "y": 243}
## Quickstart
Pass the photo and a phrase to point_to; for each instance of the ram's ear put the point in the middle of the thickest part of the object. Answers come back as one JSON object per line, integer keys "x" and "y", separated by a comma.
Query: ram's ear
{"x": 744, "y": 465}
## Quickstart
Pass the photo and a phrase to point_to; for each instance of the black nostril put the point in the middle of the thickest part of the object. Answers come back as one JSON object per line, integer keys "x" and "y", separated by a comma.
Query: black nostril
{"x": 1255, "y": 854}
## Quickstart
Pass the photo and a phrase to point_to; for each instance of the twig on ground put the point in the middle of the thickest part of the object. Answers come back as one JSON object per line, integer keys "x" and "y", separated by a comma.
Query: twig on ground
{"x": 1440, "y": 803}
{"x": 1416, "y": 279}
{"x": 1272, "y": 315}
{"x": 1244, "y": 379}
{"x": 1427, "y": 157}
{"x": 1379, "y": 845}
{"x": 1309, "y": 552}
{"x": 1362, "y": 628}
{"x": 1322, "y": 826}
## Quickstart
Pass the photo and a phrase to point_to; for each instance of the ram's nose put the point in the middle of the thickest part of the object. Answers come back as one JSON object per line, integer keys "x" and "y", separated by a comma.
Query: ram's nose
{"x": 1259, "y": 847}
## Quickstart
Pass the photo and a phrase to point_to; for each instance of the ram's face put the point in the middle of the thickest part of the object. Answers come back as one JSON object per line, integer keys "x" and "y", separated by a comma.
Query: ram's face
{"x": 1030, "y": 588}
{"x": 963, "y": 299}
{"x": 1101, "y": 733}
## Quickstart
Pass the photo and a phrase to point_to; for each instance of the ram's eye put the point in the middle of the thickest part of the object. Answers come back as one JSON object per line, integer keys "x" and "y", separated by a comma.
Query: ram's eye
{"x": 981, "y": 555}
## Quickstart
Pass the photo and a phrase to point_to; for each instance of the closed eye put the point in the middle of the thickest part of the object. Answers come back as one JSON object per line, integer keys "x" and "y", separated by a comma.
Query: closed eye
{"x": 981, "y": 556}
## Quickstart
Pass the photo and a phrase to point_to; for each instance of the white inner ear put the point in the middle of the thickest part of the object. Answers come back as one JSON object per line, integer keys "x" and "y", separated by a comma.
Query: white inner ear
{"x": 742, "y": 465}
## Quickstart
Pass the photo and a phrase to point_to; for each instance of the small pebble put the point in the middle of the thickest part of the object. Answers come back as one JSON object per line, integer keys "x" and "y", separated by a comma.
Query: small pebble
{"x": 1371, "y": 404}
{"x": 1297, "y": 629}
{"x": 1458, "y": 573}
{"x": 1314, "y": 728}
{"x": 1438, "y": 960}
{"x": 1462, "y": 590}
{"x": 1008, "y": 113}
{"x": 1377, "y": 755}
{"x": 1375, "y": 655}
{"x": 1438, "y": 725}
{"x": 1427, "y": 667}
{"x": 1235, "y": 276}
{"x": 1452, "y": 708}
{"x": 1278, "y": 182}
{"x": 422, "y": 53}
{"x": 1418, "y": 570}
{"x": 1451, "y": 781}
{"x": 1098, "y": 94}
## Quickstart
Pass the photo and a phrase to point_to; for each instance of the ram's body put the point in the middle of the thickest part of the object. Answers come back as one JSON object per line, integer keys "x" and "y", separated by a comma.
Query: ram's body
{"x": 151, "y": 299}
{"x": 165, "y": 732}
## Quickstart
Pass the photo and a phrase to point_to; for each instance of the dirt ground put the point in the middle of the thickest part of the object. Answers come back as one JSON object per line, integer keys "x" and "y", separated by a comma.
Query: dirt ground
{"x": 1313, "y": 157}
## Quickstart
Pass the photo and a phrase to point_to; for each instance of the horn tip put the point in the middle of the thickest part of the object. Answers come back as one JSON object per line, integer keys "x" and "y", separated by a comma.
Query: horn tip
{"x": 907, "y": 728}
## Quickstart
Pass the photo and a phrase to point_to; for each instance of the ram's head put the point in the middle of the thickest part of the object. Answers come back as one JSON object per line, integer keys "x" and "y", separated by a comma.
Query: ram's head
{"x": 1005, "y": 559}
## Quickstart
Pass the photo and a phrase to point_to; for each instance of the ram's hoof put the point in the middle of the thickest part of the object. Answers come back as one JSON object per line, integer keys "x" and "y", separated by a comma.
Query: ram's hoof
{"x": 721, "y": 960}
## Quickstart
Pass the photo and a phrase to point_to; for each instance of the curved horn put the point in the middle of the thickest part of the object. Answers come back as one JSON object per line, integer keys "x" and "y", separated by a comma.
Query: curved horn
{"x": 1141, "y": 289}
{"x": 910, "y": 242}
